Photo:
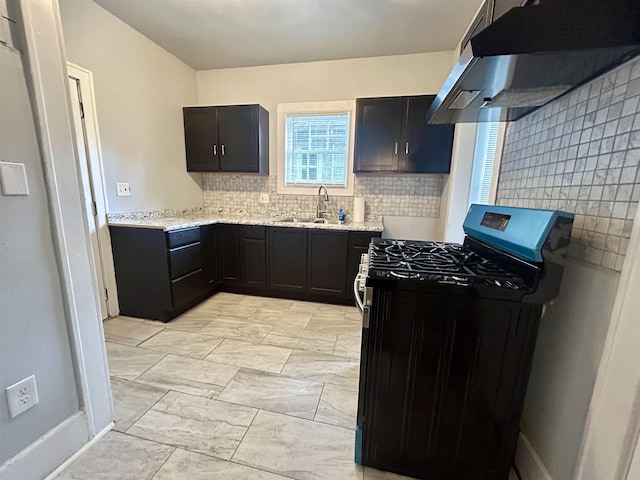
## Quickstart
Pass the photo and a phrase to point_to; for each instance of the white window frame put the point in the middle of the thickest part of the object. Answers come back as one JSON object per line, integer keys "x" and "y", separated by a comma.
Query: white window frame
{"x": 479, "y": 162}
{"x": 311, "y": 108}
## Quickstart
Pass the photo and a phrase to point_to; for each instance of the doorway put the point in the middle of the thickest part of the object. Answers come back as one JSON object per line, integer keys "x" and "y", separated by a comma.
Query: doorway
{"x": 93, "y": 189}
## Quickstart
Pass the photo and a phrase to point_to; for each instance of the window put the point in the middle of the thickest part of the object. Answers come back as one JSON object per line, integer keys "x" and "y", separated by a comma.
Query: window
{"x": 483, "y": 179}
{"x": 315, "y": 147}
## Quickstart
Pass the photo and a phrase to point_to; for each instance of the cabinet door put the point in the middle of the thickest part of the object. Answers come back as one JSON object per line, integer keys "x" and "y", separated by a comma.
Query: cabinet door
{"x": 288, "y": 259}
{"x": 378, "y": 126}
{"x": 201, "y": 139}
{"x": 327, "y": 267}
{"x": 229, "y": 250}
{"x": 425, "y": 148}
{"x": 209, "y": 255}
{"x": 254, "y": 256}
{"x": 142, "y": 271}
{"x": 238, "y": 133}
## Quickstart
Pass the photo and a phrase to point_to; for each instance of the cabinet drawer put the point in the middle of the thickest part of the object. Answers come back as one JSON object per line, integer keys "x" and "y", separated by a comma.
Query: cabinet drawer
{"x": 187, "y": 288}
{"x": 254, "y": 232}
{"x": 178, "y": 238}
{"x": 185, "y": 259}
{"x": 361, "y": 239}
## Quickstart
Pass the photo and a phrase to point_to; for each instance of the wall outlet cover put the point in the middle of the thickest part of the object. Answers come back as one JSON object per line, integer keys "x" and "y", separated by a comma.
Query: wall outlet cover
{"x": 13, "y": 178}
{"x": 22, "y": 396}
{"x": 123, "y": 189}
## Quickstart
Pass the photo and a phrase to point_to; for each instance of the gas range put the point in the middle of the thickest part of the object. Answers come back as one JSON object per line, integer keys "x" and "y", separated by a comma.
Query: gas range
{"x": 448, "y": 335}
{"x": 439, "y": 262}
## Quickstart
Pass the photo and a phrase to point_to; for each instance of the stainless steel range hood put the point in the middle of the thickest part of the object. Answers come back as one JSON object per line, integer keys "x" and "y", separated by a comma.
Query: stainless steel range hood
{"x": 533, "y": 54}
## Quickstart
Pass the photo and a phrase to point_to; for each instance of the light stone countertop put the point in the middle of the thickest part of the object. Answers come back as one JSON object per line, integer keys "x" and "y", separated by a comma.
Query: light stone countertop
{"x": 175, "y": 223}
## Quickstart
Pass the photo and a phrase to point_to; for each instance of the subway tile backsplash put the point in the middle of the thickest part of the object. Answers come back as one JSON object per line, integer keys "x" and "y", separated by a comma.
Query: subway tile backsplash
{"x": 581, "y": 154}
{"x": 404, "y": 195}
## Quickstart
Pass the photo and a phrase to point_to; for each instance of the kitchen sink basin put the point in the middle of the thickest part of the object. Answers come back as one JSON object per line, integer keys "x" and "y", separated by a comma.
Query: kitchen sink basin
{"x": 295, "y": 220}
{"x": 307, "y": 220}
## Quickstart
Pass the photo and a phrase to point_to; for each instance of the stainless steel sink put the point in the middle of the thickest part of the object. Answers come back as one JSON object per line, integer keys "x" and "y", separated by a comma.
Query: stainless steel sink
{"x": 326, "y": 221}
{"x": 307, "y": 220}
{"x": 295, "y": 220}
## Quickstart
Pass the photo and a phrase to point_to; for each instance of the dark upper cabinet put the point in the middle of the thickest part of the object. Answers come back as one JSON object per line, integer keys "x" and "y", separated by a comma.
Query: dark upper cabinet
{"x": 288, "y": 259}
{"x": 393, "y": 136}
{"x": 426, "y": 148}
{"x": 232, "y": 138}
{"x": 201, "y": 139}
{"x": 378, "y": 127}
{"x": 327, "y": 263}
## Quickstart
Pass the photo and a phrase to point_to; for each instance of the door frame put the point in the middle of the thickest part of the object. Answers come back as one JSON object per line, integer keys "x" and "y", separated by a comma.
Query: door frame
{"x": 40, "y": 33}
{"x": 98, "y": 185}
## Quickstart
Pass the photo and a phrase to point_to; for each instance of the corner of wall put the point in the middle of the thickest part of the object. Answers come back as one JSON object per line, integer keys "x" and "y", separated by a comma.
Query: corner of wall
{"x": 528, "y": 463}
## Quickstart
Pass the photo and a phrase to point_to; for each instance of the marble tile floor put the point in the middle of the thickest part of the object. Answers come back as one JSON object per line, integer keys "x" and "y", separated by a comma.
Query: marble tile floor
{"x": 238, "y": 387}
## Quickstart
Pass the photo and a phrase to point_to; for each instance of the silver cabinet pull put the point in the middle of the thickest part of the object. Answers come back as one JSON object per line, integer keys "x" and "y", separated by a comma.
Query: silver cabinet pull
{"x": 395, "y": 149}
{"x": 406, "y": 148}
{"x": 215, "y": 150}
{"x": 222, "y": 149}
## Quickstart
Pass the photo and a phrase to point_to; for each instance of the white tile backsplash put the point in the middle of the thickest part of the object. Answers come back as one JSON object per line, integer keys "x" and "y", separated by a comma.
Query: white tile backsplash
{"x": 404, "y": 195}
{"x": 581, "y": 154}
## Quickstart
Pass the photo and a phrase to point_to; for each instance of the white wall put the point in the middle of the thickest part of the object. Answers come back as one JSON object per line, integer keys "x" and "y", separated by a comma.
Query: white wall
{"x": 140, "y": 90}
{"x": 565, "y": 365}
{"x": 34, "y": 339}
{"x": 322, "y": 81}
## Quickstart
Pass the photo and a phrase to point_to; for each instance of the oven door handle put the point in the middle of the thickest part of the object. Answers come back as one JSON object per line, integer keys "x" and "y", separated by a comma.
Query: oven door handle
{"x": 356, "y": 294}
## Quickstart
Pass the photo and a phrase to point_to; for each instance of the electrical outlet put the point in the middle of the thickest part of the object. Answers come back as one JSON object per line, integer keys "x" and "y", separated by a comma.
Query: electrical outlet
{"x": 264, "y": 198}
{"x": 22, "y": 396}
{"x": 123, "y": 190}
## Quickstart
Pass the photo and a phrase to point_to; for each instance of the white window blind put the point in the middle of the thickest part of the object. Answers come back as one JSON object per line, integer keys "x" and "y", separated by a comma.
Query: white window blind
{"x": 483, "y": 162}
{"x": 317, "y": 149}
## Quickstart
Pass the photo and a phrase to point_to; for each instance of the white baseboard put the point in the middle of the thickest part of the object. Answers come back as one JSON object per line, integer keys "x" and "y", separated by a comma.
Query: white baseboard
{"x": 528, "y": 463}
{"x": 84, "y": 448}
{"x": 49, "y": 451}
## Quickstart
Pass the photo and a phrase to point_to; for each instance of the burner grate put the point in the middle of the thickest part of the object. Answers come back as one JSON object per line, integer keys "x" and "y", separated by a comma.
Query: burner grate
{"x": 446, "y": 263}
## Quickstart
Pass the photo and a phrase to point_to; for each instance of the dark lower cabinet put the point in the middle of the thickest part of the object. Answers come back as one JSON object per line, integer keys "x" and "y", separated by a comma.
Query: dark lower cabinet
{"x": 159, "y": 274}
{"x": 229, "y": 254}
{"x": 210, "y": 254}
{"x": 288, "y": 259}
{"x": 162, "y": 274}
{"x": 254, "y": 256}
{"x": 327, "y": 264}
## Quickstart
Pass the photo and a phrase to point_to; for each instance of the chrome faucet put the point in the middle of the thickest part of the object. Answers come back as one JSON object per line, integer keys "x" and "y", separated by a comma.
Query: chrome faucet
{"x": 321, "y": 209}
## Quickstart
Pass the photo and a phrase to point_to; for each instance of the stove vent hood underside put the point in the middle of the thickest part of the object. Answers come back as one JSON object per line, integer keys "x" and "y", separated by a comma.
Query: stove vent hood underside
{"x": 534, "y": 54}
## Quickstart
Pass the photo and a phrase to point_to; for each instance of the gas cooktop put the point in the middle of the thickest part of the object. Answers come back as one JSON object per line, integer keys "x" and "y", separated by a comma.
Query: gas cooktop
{"x": 440, "y": 262}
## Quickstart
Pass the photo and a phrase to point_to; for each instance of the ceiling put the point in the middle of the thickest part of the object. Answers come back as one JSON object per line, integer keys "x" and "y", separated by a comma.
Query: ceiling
{"x": 210, "y": 34}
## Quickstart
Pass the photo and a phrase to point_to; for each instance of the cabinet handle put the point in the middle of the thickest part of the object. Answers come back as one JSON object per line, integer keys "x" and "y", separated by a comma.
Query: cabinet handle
{"x": 406, "y": 148}
{"x": 222, "y": 146}
{"x": 215, "y": 150}
{"x": 395, "y": 149}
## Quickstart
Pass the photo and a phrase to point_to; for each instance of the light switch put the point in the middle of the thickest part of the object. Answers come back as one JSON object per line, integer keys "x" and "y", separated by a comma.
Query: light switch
{"x": 13, "y": 178}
